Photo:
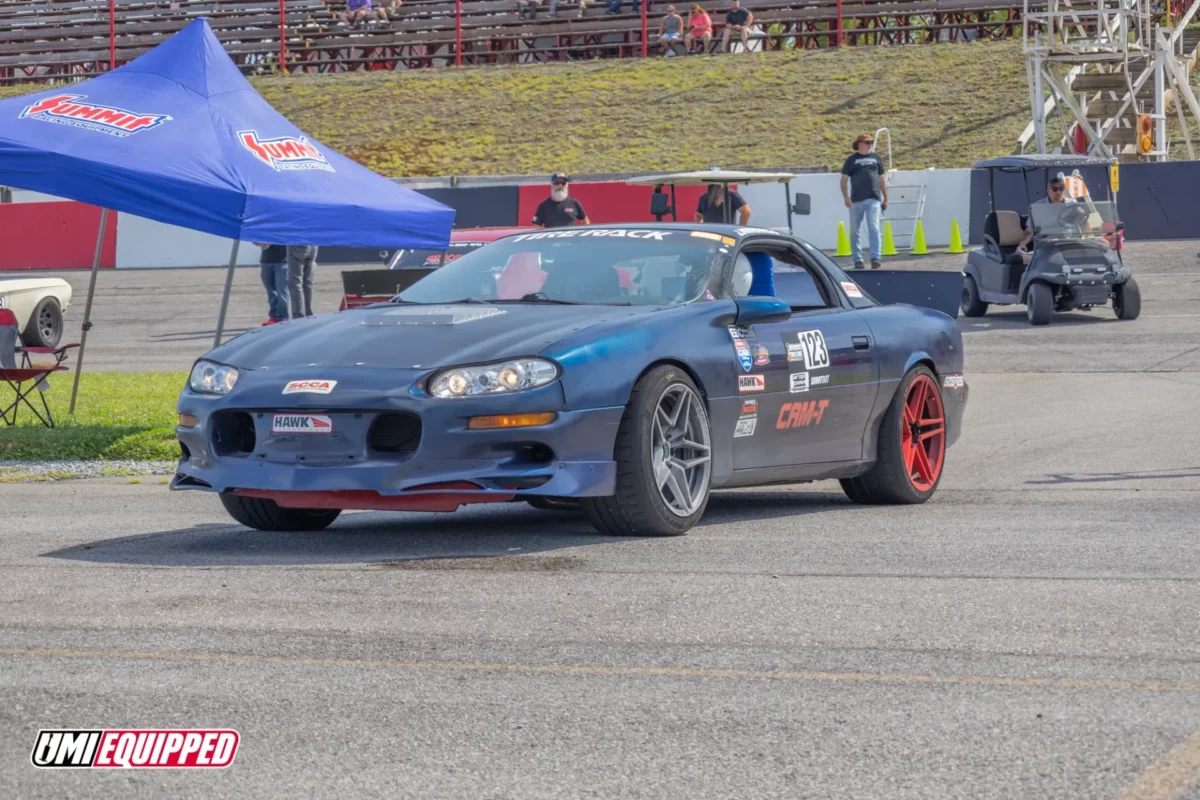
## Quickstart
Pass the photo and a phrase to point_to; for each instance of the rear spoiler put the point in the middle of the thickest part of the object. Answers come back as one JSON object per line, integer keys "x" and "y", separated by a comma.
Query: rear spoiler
{"x": 938, "y": 290}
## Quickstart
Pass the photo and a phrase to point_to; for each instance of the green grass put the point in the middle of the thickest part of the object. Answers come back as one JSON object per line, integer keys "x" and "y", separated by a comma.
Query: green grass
{"x": 118, "y": 416}
{"x": 947, "y": 106}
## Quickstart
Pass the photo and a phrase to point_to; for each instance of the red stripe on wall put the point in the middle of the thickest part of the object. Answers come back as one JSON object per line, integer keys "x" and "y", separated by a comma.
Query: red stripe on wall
{"x": 54, "y": 236}
{"x": 608, "y": 202}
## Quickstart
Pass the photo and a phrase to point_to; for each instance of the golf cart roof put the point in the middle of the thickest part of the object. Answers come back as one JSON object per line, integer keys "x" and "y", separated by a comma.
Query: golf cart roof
{"x": 702, "y": 177}
{"x": 1041, "y": 161}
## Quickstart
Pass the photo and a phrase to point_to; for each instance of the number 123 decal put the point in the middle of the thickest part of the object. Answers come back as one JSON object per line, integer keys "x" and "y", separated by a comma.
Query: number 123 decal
{"x": 811, "y": 350}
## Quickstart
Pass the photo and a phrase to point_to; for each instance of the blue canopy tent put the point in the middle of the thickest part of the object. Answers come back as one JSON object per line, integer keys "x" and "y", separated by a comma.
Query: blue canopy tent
{"x": 179, "y": 136}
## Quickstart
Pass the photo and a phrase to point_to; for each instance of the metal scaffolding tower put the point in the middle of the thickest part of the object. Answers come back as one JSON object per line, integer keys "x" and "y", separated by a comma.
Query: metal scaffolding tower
{"x": 1103, "y": 63}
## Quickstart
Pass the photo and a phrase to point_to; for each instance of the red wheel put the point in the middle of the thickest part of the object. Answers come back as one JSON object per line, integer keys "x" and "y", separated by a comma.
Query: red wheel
{"x": 923, "y": 434}
{"x": 910, "y": 447}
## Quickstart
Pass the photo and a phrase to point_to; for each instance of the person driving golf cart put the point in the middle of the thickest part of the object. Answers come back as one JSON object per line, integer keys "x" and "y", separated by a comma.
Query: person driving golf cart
{"x": 1056, "y": 192}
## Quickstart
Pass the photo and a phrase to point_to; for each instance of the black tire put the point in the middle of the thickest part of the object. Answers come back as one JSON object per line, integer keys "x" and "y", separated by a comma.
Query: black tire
{"x": 45, "y": 326}
{"x": 638, "y": 508}
{"x": 971, "y": 305}
{"x": 267, "y": 515}
{"x": 545, "y": 503}
{"x": 1039, "y": 304}
{"x": 1127, "y": 300}
{"x": 887, "y": 482}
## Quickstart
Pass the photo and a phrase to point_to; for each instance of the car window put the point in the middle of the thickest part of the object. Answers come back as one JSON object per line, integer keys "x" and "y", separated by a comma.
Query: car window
{"x": 794, "y": 281}
{"x": 631, "y": 266}
{"x": 836, "y": 272}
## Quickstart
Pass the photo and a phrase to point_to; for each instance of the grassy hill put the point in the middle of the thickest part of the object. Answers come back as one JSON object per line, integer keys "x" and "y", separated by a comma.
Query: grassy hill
{"x": 946, "y": 105}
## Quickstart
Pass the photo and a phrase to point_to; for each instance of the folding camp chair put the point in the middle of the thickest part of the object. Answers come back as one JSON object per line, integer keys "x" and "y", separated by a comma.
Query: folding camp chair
{"x": 29, "y": 377}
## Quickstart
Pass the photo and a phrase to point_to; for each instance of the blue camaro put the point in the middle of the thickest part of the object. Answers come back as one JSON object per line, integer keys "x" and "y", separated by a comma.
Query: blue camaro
{"x": 625, "y": 371}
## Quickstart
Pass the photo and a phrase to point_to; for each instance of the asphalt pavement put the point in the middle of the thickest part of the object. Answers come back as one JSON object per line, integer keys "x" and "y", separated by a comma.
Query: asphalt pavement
{"x": 1032, "y": 632}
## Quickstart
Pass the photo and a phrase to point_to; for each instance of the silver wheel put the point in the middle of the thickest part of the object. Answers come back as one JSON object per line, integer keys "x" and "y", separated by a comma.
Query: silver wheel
{"x": 680, "y": 450}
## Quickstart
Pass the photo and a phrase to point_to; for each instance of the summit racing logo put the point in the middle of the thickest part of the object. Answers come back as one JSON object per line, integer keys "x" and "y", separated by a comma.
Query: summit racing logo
{"x": 64, "y": 109}
{"x": 286, "y": 152}
{"x": 179, "y": 748}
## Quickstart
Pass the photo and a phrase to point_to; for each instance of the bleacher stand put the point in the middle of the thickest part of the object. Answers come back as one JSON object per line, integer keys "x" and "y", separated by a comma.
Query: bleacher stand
{"x": 64, "y": 40}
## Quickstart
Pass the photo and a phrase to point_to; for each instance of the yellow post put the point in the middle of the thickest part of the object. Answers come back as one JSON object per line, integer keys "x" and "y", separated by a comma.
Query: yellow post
{"x": 919, "y": 248}
{"x": 843, "y": 243}
{"x": 956, "y": 245}
{"x": 889, "y": 243}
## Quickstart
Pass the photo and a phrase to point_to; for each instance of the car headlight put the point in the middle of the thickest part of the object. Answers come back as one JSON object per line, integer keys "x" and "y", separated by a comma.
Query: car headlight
{"x": 211, "y": 378}
{"x": 517, "y": 375}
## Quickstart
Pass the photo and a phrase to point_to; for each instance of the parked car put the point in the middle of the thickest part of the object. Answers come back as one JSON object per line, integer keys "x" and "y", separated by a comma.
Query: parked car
{"x": 39, "y": 304}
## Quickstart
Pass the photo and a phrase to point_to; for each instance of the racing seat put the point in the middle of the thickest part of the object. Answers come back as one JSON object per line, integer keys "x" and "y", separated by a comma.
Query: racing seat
{"x": 1002, "y": 232}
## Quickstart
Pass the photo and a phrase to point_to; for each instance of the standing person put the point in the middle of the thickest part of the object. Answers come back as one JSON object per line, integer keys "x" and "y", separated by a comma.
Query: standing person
{"x": 275, "y": 280}
{"x": 737, "y": 23}
{"x": 301, "y": 261}
{"x": 867, "y": 197}
{"x": 699, "y": 29}
{"x": 559, "y": 210}
{"x": 711, "y": 209}
{"x": 670, "y": 31}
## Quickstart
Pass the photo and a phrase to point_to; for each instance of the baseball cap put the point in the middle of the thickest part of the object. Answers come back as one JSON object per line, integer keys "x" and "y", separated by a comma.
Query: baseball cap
{"x": 558, "y": 176}
{"x": 864, "y": 137}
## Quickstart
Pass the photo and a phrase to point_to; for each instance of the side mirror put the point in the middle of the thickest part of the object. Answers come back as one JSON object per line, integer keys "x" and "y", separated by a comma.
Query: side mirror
{"x": 660, "y": 204}
{"x": 803, "y": 205}
{"x": 761, "y": 310}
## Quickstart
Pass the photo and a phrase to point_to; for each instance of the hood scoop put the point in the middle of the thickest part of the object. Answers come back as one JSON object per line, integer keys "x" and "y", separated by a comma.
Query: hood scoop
{"x": 435, "y": 315}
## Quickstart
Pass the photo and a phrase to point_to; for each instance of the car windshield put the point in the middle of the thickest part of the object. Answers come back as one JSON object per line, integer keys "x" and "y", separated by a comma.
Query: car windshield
{"x": 1079, "y": 220}
{"x": 423, "y": 259}
{"x": 586, "y": 265}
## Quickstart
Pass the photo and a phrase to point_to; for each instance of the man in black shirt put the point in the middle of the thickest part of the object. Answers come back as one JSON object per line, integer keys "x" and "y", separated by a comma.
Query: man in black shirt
{"x": 711, "y": 209}
{"x": 864, "y": 188}
{"x": 737, "y": 23}
{"x": 558, "y": 210}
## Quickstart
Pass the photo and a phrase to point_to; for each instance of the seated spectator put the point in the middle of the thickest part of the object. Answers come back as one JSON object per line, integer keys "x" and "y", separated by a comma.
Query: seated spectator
{"x": 737, "y": 23}
{"x": 699, "y": 30}
{"x": 389, "y": 9}
{"x": 357, "y": 12}
{"x": 670, "y": 31}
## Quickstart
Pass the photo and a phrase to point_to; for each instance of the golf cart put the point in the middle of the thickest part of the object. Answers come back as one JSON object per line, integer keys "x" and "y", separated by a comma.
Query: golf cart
{"x": 1076, "y": 261}
{"x": 662, "y": 204}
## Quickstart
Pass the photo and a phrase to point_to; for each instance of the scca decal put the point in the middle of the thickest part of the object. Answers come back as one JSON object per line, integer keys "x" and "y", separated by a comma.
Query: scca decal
{"x": 801, "y": 415}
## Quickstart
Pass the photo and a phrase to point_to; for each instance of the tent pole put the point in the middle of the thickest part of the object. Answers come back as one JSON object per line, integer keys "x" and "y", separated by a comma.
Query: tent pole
{"x": 87, "y": 310}
{"x": 225, "y": 297}
{"x": 112, "y": 34}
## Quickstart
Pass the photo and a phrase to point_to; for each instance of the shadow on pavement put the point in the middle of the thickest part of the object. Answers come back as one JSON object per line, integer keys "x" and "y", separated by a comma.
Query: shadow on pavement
{"x": 495, "y": 537}
{"x": 1056, "y": 479}
{"x": 1016, "y": 320}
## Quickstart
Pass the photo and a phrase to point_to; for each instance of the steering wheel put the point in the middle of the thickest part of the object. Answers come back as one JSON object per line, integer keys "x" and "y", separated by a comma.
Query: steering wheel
{"x": 1072, "y": 216}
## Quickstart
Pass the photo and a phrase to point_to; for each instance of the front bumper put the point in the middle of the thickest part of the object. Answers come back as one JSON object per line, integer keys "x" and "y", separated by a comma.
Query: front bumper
{"x": 570, "y": 457}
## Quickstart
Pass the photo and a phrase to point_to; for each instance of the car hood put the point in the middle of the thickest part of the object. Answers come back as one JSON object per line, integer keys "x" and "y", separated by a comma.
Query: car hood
{"x": 414, "y": 336}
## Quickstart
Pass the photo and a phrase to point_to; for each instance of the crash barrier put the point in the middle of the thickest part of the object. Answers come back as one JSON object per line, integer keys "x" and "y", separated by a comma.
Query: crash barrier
{"x": 939, "y": 290}
{"x": 42, "y": 40}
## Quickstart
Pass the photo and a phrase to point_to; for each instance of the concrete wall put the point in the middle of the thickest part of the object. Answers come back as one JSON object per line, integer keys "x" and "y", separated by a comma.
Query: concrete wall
{"x": 947, "y": 197}
{"x": 145, "y": 243}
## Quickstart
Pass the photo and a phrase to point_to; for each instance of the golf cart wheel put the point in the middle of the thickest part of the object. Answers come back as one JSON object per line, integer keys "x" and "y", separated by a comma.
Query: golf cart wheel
{"x": 1127, "y": 300}
{"x": 664, "y": 460}
{"x": 911, "y": 449}
{"x": 45, "y": 325}
{"x": 971, "y": 305}
{"x": 1039, "y": 304}
{"x": 267, "y": 515}
{"x": 553, "y": 503}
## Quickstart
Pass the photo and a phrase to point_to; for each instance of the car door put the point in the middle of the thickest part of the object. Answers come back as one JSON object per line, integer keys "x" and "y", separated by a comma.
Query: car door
{"x": 809, "y": 384}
